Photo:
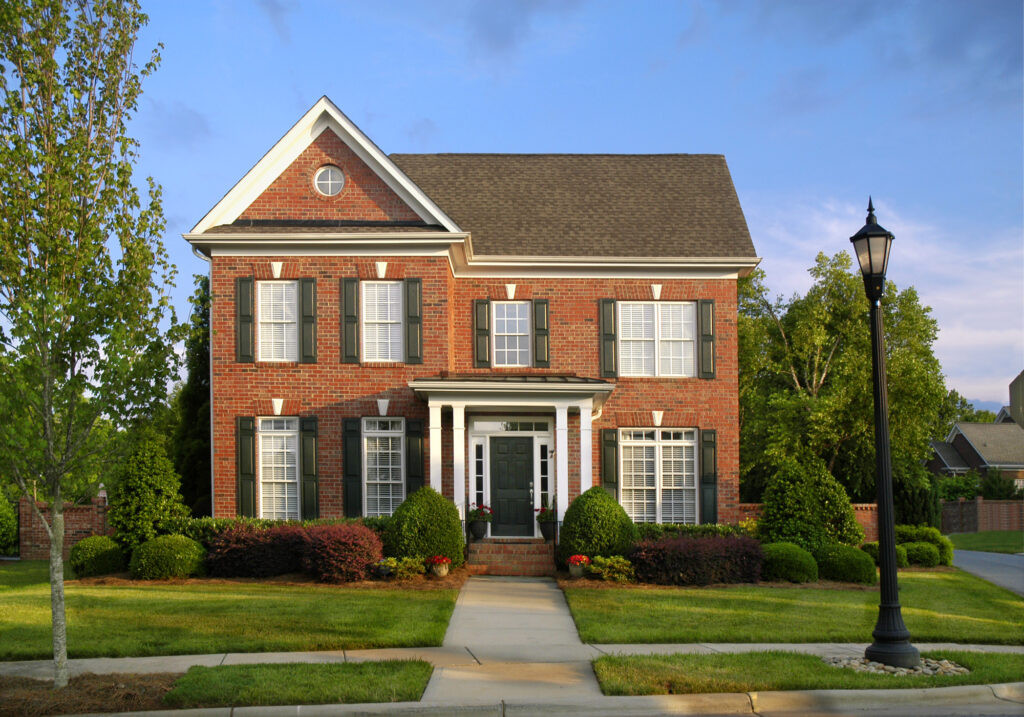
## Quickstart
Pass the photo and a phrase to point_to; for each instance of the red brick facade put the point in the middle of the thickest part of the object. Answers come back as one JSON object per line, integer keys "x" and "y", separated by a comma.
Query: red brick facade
{"x": 80, "y": 521}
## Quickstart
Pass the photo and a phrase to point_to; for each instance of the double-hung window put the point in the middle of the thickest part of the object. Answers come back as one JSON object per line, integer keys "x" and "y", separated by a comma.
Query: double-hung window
{"x": 657, "y": 338}
{"x": 278, "y": 312}
{"x": 511, "y": 333}
{"x": 382, "y": 321}
{"x": 659, "y": 474}
{"x": 279, "y": 468}
{"x": 383, "y": 464}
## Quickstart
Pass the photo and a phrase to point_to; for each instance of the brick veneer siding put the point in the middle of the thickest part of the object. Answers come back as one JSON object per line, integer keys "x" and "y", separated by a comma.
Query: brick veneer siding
{"x": 332, "y": 391}
{"x": 972, "y": 516}
{"x": 80, "y": 521}
{"x": 866, "y": 515}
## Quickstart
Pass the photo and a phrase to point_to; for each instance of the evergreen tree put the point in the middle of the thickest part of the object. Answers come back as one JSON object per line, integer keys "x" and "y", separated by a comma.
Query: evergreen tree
{"x": 191, "y": 443}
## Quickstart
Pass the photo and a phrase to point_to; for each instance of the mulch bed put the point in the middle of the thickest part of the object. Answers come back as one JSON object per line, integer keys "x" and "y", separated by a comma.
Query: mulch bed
{"x": 86, "y": 693}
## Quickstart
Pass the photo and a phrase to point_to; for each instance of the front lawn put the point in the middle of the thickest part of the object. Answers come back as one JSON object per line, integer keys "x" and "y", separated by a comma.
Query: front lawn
{"x": 990, "y": 541}
{"x": 762, "y": 671}
{"x": 938, "y": 606}
{"x": 199, "y": 617}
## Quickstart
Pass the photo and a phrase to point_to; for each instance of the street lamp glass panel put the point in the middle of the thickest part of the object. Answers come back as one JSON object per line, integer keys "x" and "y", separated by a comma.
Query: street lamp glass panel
{"x": 863, "y": 255}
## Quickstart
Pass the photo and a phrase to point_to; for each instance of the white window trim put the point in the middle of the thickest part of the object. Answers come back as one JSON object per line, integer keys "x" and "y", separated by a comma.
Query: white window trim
{"x": 294, "y": 324}
{"x": 494, "y": 334}
{"x": 657, "y": 338}
{"x": 658, "y": 444}
{"x": 260, "y": 434}
{"x": 364, "y": 434}
{"x": 320, "y": 172}
{"x": 363, "y": 323}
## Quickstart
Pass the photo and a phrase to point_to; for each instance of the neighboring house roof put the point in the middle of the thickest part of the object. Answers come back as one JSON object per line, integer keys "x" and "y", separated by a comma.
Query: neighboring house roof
{"x": 587, "y": 205}
{"x": 1004, "y": 415}
{"x": 998, "y": 444}
{"x": 946, "y": 453}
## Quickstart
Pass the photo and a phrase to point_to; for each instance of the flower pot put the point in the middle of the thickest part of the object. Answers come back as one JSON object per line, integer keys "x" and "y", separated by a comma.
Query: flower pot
{"x": 478, "y": 528}
{"x": 547, "y": 529}
{"x": 576, "y": 571}
{"x": 383, "y": 571}
{"x": 440, "y": 570}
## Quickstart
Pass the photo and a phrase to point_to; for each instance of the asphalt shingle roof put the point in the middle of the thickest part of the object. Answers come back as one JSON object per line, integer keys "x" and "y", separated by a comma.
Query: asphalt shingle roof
{"x": 997, "y": 443}
{"x": 949, "y": 455}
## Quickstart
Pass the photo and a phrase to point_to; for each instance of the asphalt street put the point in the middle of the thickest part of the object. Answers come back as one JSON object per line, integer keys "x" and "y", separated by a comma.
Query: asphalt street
{"x": 999, "y": 568}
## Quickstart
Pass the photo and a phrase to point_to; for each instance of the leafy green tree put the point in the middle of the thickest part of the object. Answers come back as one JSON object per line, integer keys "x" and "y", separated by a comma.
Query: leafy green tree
{"x": 957, "y": 409}
{"x": 84, "y": 277}
{"x": 996, "y": 486}
{"x": 805, "y": 379}
{"x": 956, "y": 487}
{"x": 191, "y": 442}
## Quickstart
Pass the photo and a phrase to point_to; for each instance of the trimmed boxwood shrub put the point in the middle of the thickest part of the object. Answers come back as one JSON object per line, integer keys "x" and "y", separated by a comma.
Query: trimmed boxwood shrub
{"x": 167, "y": 556}
{"x": 697, "y": 561}
{"x": 845, "y": 563}
{"x": 872, "y": 550}
{"x": 246, "y": 551}
{"x": 595, "y": 524}
{"x": 8, "y": 527}
{"x": 924, "y": 554}
{"x": 926, "y": 534}
{"x": 341, "y": 553}
{"x": 786, "y": 561}
{"x": 424, "y": 525}
{"x": 657, "y": 531}
{"x": 96, "y": 555}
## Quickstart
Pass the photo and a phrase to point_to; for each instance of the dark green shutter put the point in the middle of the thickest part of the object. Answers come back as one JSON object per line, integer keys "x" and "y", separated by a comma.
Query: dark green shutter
{"x": 244, "y": 324}
{"x": 541, "y": 334}
{"x": 481, "y": 333}
{"x": 352, "y": 438}
{"x": 706, "y": 336}
{"x": 413, "y": 455}
{"x": 413, "y": 321}
{"x": 309, "y": 488}
{"x": 350, "y": 320}
{"x": 610, "y": 460}
{"x": 245, "y": 459}
{"x": 608, "y": 365}
{"x": 708, "y": 477}
{"x": 307, "y": 314}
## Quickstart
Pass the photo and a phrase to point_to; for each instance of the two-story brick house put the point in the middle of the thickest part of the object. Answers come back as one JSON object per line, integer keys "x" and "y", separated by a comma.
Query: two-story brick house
{"x": 508, "y": 329}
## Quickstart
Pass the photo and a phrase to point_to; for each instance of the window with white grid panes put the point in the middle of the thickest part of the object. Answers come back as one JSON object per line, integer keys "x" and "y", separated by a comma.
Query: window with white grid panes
{"x": 657, "y": 338}
{"x": 658, "y": 474}
{"x": 382, "y": 320}
{"x": 279, "y": 468}
{"x": 383, "y": 464}
{"x": 278, "y": 318}
{"x": 511, "y": 334}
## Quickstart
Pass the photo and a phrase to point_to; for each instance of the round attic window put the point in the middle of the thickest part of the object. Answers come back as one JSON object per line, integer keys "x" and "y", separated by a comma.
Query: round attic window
{"x": 329, "y": 180}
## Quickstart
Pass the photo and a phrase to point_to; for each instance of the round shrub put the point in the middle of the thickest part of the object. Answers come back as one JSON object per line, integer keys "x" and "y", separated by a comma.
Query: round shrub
{"x": 96, "y": 555}
{"x": 872, "y": 550}
{"x": 341, "y": 553}
{"x": 167, "y": 556}
{"x": 804, "y": 504}
{"x": 147, "y": 491}
{"x": 845, "y": 563}
{"x": 786, "y": 561}
{"x": 924, "y": 554}
{"x": 8, "y": 527}
{"x": 595, "y": 524}
{"x": 927, "y": 534}
{"x": 424, "y": 525}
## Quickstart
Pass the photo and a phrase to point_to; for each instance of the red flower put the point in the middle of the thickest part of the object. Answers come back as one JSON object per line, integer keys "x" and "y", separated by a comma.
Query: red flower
{"x": 439, "y": 560}
{"x": 579, "y": 560}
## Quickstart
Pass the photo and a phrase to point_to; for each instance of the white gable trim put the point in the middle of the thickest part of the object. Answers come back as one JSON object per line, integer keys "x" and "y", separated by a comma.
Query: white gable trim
{"x": 322, "y": 116}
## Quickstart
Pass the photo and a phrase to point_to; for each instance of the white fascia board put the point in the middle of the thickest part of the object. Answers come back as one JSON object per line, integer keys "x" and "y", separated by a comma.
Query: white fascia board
{"x": 525, "y": 394}
{"x": 321, "y": 116}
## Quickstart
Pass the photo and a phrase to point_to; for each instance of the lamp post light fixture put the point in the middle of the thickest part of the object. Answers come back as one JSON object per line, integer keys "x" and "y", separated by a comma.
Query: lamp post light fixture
{"x": 892, "y": 639}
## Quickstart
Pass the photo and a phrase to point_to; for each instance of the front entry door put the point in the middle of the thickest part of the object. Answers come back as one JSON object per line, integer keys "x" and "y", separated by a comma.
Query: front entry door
{"x": 512, "y": 486}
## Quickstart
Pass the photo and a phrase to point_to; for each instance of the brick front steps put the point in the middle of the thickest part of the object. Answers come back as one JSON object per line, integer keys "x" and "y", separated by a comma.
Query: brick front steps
{"x": 506, "y": 556}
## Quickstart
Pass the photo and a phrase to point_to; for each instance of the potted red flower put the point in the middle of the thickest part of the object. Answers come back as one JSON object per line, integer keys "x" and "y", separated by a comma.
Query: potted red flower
{"x": 439, "y": 565}
{"x": 577, "y": 564}
{"x": 478, "y": 517}
{"x": 546, "y": 518}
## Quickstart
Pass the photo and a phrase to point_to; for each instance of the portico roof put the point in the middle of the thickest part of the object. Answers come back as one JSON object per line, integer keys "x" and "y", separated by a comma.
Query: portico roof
{"x": 480, "y": 388}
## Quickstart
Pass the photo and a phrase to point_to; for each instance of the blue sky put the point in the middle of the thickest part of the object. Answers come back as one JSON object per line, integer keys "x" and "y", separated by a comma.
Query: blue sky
{"x": 814, "y": 104}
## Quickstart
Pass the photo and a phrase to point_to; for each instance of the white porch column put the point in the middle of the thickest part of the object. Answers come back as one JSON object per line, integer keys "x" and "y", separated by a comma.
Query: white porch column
{"x": 435, "y": 446}
{"x": 562, "y": 457}
{"x": 459, "y": 455}
{"x": 586, "y": 446}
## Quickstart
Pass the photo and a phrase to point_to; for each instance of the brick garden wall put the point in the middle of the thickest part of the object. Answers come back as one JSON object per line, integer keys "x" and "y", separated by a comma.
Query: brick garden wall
{"x": 80, "y": 521}
{"x": 866, "y": 515}
{"x": 972, "y": 516}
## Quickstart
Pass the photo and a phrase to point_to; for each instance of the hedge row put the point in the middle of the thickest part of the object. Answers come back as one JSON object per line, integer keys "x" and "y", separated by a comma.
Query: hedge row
{"x": 697, "y": 561}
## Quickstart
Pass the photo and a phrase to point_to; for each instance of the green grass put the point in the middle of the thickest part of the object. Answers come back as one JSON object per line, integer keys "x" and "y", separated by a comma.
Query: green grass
{"x": 300, "y": 684}
{"x": 990, "y": 541}
{"x": 175, "y": 619}
{"x": 762, "y": 671}
{"x": 938, "y": 606}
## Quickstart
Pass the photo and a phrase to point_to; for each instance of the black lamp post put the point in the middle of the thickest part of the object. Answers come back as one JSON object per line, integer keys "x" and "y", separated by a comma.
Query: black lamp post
{"x": 892, "y": 639}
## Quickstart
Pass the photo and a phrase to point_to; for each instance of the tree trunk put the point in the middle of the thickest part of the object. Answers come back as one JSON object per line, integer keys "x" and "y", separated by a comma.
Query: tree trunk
{"x": 60, "y": 634}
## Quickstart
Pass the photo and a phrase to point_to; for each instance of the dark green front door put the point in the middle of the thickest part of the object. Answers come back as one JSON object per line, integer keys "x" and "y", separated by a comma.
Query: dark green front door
{"x": 511, "y": 486}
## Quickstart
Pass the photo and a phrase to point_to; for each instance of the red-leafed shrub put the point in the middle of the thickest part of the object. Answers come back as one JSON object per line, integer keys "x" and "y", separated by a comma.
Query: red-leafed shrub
{"x": 698, "y": 561}
{"x": 246, "y": 551}
{"x": 341, "y": 553}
